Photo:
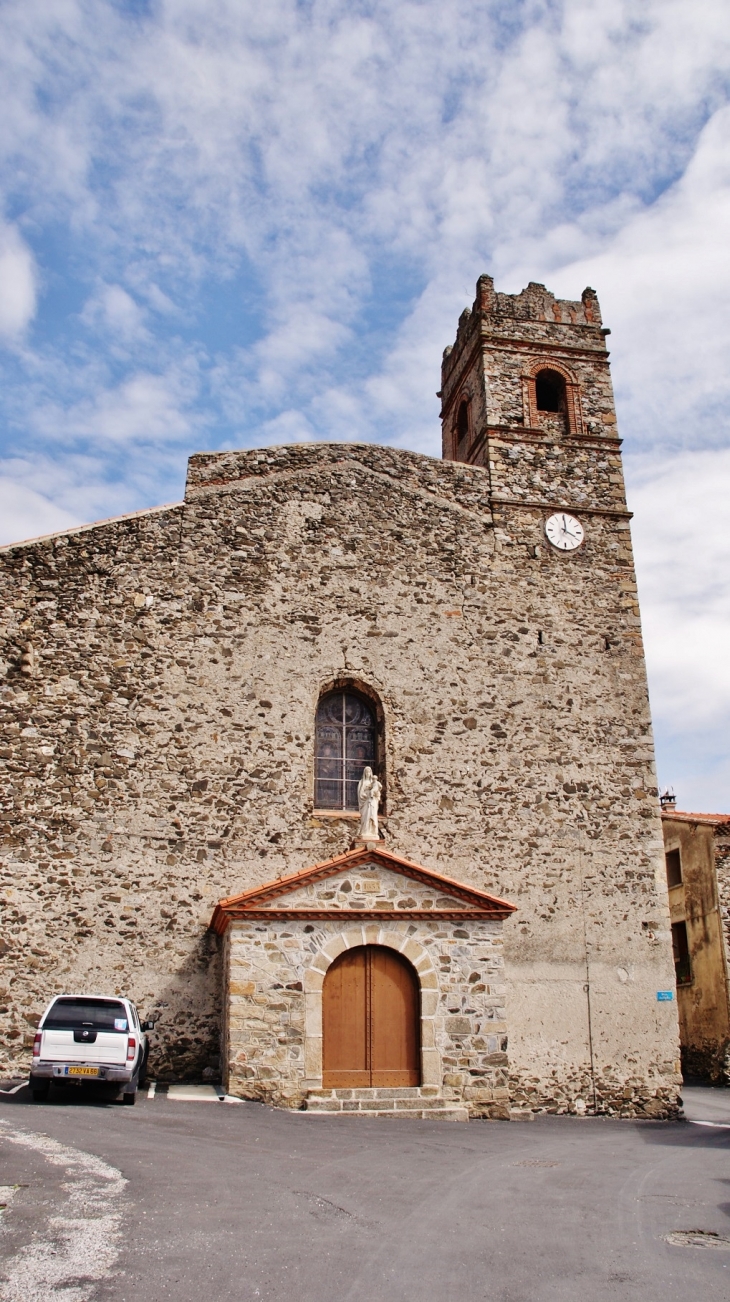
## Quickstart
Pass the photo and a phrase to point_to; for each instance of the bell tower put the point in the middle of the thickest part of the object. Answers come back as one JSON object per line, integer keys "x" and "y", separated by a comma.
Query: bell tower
{"x": 526, "y": 393}
{"x": 528, "y": 416}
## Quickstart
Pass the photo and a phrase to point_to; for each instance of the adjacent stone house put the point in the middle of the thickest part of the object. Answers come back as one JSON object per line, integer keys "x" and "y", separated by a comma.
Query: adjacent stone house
{"x": 190, "y": 694}
{"x": 697, "y": 851}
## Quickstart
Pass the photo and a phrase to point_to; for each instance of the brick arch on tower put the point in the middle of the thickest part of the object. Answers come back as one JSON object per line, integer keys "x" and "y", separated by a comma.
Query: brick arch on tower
{"x": 574, "y": 417}
{"x": 465, "y": 397}
{"x": 313, "y": 982}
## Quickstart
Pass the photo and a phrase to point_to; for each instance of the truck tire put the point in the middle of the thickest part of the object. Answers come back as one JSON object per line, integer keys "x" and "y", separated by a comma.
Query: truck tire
{"x": 130, "y": 1098}
{"x": 40, "y": 1092}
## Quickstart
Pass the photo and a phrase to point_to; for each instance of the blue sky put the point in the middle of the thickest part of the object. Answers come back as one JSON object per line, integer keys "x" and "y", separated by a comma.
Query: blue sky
{"x": 226, "y": 224}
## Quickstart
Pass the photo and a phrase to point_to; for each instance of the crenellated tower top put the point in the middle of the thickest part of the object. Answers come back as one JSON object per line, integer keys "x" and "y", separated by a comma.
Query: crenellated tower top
{"x": 530, "y": 369}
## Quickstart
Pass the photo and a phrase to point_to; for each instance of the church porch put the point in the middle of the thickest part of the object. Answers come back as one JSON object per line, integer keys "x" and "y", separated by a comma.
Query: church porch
{"x": 366, "y": 985}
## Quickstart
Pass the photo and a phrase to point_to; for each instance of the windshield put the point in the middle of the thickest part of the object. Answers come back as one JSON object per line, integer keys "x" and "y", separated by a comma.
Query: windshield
{"x": 96, "y": 1014}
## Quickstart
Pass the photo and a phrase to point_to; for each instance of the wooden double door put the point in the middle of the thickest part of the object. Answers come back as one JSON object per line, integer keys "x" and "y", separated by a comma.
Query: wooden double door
{"x": 370, "y": 1020}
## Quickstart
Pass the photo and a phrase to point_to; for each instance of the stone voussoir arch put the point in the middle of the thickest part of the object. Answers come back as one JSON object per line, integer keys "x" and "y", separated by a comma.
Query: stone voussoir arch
{"x": 313, "y": 981}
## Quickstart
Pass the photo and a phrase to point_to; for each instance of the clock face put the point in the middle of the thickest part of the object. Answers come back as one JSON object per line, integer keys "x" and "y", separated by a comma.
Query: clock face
{"x": 564, "y": 532}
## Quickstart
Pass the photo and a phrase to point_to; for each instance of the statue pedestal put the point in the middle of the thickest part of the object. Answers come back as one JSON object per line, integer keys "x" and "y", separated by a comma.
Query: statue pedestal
{"x": 366, "y": 843}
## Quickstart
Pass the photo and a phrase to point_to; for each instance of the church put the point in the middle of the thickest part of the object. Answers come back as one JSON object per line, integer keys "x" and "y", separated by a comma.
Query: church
{"x": 191, "y": 697}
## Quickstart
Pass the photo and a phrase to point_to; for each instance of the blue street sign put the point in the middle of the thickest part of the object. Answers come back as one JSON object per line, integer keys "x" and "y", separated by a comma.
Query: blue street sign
{"x": 665, "y": 994}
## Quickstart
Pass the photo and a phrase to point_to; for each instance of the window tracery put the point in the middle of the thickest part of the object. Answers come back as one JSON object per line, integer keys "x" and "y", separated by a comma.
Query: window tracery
{"x": 345, "y": 742}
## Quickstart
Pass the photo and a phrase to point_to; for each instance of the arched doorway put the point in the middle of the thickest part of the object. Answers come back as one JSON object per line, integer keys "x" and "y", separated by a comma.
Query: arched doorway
{"x": 370, "y": 1020}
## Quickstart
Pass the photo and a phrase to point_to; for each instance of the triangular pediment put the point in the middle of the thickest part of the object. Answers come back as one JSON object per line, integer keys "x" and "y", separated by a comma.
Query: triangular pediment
{"x": 367, "y": 882}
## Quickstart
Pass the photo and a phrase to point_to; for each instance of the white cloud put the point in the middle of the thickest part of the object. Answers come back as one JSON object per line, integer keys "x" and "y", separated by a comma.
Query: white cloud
{"x": 145, "y": 408}
{"x": 664, "y": 286}
{"x": 112, "y": 309}
{"x": 40, "y": 494}
{"x": 25, "y": 513}
{"x": 682, "y": 546}
{"x": 683, "y": 558}
{"x": 287, "y": 427}
{"x": 17, "y": 283}
{"x": 664, "y": 282}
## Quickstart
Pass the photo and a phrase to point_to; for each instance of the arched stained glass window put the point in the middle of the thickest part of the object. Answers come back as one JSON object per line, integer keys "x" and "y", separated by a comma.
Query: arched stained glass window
{"x": 345, "y": 741}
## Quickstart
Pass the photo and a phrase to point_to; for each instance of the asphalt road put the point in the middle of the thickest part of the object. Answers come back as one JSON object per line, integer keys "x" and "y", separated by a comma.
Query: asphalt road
{"x": 225, "y": 1201}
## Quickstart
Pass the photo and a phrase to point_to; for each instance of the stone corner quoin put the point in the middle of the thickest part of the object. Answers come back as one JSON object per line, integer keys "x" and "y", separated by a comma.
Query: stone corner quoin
{"x": 160, "y": 679}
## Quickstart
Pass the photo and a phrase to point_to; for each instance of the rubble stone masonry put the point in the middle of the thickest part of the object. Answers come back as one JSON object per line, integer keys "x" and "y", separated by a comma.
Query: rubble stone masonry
{"x": 160, "y": 676}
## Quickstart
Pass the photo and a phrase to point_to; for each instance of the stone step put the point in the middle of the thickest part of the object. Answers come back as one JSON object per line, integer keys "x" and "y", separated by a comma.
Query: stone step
{"x": 378, "y": 1092}
{"x": 443, "y": 1113}
{"x": 419, "y": 1102}
{"x": 384, "y": 1105}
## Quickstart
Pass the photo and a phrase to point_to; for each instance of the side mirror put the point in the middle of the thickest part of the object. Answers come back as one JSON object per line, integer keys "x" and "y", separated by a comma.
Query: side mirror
{"x": 148, "y": 1026}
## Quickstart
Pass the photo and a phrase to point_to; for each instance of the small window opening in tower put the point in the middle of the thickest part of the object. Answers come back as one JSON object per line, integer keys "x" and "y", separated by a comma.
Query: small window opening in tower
{"x": 550, "y": 391}
{"x": 462, "y": 422}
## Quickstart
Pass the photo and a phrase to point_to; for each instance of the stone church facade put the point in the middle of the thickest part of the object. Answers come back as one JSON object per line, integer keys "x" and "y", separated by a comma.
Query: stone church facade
{"x": 187, "y": 695}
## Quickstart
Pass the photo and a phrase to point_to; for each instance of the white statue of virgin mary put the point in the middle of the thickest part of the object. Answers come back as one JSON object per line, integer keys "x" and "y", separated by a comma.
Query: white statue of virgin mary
{"x": 369, "y": 791}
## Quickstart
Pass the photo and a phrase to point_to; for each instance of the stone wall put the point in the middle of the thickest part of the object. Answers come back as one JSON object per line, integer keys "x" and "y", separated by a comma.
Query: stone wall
{"x": 160, "y": 679}
{"x": 722, "y": 870}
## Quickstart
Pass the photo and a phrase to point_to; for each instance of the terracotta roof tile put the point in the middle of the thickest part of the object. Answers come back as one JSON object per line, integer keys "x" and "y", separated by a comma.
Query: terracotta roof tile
{"x": 260, "y": 896}
{"x": 683, "y": 816}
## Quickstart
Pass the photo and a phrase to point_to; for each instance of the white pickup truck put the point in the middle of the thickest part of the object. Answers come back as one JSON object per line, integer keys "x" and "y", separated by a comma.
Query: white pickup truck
{"x": 90, "y": 1039}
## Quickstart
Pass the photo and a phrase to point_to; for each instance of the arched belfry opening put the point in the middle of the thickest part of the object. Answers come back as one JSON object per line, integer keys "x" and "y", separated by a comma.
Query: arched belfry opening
{"x": 370, "y": 1020}
{"x": 550, "y": 391}
{"x": 348, "y": 736}
{"x": 461, "y": 430}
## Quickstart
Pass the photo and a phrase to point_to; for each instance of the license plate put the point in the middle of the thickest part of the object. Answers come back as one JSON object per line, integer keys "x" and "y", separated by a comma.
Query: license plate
{"x": 82, "y": 1071}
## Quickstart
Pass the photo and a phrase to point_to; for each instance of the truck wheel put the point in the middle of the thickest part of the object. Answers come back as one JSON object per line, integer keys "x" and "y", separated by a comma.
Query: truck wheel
{"x": 130, "y": 1098}
{"x": 39, "y": 1093}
